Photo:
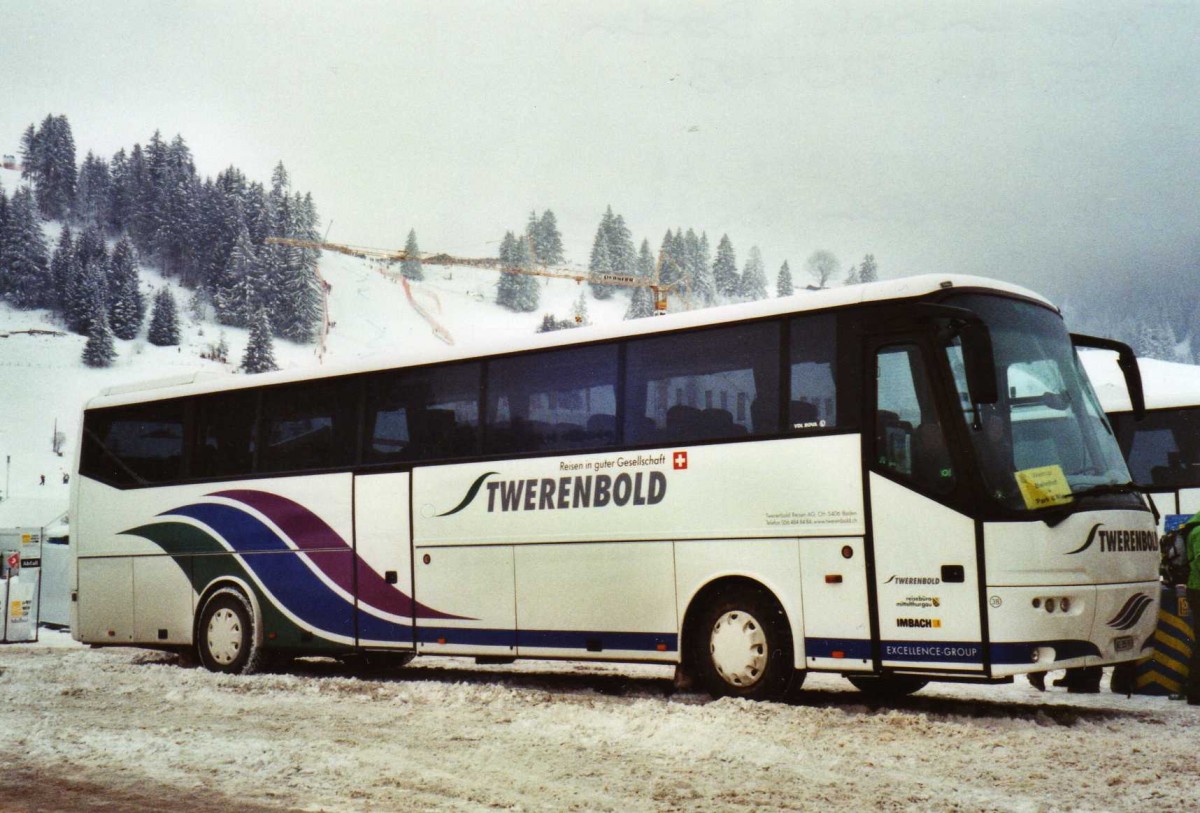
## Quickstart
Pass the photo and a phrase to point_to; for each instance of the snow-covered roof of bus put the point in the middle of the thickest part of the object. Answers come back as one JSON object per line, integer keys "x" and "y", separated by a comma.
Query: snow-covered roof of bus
{"x": 807, "y": 300}
{"x": 1165, "y": 383}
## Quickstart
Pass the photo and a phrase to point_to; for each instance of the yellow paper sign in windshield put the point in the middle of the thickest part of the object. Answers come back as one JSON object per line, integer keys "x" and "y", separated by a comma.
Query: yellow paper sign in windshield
{"x": 1044, "y": 486}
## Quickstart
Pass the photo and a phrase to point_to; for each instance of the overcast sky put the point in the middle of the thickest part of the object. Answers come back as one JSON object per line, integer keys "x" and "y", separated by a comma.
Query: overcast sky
{"x": 1027, "y": 141}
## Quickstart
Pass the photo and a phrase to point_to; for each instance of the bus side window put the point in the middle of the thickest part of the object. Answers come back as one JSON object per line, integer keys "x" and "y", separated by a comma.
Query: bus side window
{"x": 135, "y": 445}
{"x": 422, "y": 414}
{"x": 812, "y": 360}
{"x": 555, "y": 400}
{"x": 309, "y": 426}
{"x": 910, "y": 442}
{"x": 225, "y": 434}
{"x": 707, "y": 385}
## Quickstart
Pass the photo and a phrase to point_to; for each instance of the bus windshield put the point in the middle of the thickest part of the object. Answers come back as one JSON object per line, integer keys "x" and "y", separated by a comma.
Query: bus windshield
{"x": 1046, "y": 440}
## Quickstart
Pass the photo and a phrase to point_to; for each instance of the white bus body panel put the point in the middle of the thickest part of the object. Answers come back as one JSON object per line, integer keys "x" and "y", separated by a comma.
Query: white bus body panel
{"x": 596, "y": 597}
{"x": 382, "y": 536}
{"x": 664, "y": 523}
{"x": 925, "y": 622}
{"x": 837, "y": 622}
{"x": 1105, "y": 563}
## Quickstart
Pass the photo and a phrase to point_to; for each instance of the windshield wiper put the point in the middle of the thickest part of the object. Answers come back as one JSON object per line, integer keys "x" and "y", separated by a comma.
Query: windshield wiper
{"x": 1107, "y": 488}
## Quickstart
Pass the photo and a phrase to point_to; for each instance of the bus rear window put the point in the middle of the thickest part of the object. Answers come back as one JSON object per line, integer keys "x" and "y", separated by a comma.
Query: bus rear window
{"x": 132, "y": 446}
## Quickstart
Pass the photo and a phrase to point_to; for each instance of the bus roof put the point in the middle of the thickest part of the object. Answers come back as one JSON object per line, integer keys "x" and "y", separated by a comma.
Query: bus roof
{"x": 202, "y": 382}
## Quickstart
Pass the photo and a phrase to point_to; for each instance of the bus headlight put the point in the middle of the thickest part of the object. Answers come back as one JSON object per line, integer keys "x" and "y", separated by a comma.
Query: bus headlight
{"x": 1049, "y": 605}
{"x": 1064, "y": 604}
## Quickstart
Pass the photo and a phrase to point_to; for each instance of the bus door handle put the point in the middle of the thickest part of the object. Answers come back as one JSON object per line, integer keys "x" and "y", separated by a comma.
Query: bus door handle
{"x": 953, "y": 574}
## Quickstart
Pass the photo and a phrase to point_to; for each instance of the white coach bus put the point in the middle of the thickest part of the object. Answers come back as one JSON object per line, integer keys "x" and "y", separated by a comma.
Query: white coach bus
{"x": 1163, "y": 448}
{"x": 898, "y": 482}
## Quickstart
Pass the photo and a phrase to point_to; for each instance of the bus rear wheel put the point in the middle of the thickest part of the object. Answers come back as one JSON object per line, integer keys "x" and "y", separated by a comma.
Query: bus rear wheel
{"x": 887, "y": 687}
{"x": 742, "y": 645}
{"x": 226, "y": 638}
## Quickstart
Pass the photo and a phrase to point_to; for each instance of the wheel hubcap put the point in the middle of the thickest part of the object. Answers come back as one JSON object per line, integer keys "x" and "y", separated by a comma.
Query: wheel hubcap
{"x": 224, "y": 636}
{"x": 739, "y": 648}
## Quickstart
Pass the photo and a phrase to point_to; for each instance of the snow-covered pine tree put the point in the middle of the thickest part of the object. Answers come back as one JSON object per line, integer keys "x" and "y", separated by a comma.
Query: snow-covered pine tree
{"x": 99, "y": 350}
{"x": 641, "y": 303}
{"x": 164, "y": 320}
{"x": 299, "y": 294}
{"x": 527, "y": 292}
{"x": 55, "y": 174}
{"x": 3, "y": 216}
{"x": 670, "y": 263}
{"x": 725, "y": 273}
{"x": 30, "y": 160}
{"x": 120, "y": 194}
{"x": 601, "y": 260}
{"x": 93, "y": 190}
{"x": 852, "y": 277}
{"x": 620, "y": 247}
{"x": 260, "y": 351}
{"x": 754, "y": 277}
{"x": 25, "y": 279}
{"x": 868, "y": 271}
{"x": 238, "y": 303}
{"x": 783, "y": 283}
{"x": 410, "y": 266}
{"x": 128, "y": 308}
{"x": 549, "y": 243}
{"x": 704, "y": 286}
{"x": 79, "y": 290}
{"x": 601, "y": 266}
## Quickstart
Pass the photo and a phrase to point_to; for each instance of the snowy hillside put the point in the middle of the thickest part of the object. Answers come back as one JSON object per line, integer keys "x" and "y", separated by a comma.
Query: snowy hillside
{"x": 45, "y": 384}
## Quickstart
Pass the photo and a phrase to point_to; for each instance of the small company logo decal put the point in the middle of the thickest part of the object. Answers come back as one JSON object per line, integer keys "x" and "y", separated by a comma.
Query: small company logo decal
{"x": 679, "y": 459}
{"x": 917, "y": 580}
{"x": 919, "y": 623}
{"x": 1132, "y": 612}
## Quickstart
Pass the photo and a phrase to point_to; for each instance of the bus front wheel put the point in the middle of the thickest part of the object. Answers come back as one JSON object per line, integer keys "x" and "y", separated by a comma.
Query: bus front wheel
{"x": 226, "y": 639}
{"x": 742, "y": 645}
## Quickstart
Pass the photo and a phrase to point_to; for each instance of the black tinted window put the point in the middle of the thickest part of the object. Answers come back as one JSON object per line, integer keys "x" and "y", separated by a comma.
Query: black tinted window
{"x": 309, "y": 426}
{"x": 423, "y": 414}
{"x": 710, "y": 384}
{"x": 560, "y": 399}
{"x": 225, "y": 434}
{"x": 812, "y": 361}
{"x": 136, "y": 445}
{"x": 1163, "y": 449}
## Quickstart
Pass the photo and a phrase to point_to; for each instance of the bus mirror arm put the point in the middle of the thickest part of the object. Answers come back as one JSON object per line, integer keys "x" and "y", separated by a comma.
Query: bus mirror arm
{"x": 1127, "y": 361}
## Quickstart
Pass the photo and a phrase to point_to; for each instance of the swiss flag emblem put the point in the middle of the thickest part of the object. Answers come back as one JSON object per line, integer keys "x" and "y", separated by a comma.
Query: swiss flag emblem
{"x": 680, "y": 460}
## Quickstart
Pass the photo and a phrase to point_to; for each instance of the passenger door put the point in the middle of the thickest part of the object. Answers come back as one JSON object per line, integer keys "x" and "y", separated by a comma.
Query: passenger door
{"x": 926, "y": 577}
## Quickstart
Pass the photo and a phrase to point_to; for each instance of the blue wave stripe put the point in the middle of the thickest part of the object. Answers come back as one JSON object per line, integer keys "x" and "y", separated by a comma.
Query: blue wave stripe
{"x": 286, "y": 577}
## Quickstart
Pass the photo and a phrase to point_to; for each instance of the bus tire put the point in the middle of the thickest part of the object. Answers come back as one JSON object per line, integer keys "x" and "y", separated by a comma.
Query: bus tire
{"x": 226, "y": 635}
{"x": 887, "y": 687}
{"x": 742, "y": 645}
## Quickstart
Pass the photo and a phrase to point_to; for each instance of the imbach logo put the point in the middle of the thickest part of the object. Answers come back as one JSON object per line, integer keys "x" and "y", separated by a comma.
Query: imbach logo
{"x": 1118, "y": 541}
{"x": 561, "y": 493}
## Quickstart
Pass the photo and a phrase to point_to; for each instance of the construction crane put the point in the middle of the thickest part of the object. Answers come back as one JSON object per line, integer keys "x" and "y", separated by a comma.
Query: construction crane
{"x": 658, "y": 290}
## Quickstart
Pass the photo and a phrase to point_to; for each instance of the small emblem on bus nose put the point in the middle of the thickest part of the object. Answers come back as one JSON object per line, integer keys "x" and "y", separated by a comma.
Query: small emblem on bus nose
{"x": 680, "y": 460}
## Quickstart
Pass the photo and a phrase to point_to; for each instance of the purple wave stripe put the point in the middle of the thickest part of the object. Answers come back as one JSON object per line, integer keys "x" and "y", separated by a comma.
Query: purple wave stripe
{"x": 312, "y": 535}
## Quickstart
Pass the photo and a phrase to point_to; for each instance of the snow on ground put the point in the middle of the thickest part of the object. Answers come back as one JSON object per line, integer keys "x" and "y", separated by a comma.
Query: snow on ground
{"x": 134, "y": 730}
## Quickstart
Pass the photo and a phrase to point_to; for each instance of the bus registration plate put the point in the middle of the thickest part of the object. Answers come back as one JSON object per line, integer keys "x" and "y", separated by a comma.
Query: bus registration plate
{"x": 1123, "y": 644}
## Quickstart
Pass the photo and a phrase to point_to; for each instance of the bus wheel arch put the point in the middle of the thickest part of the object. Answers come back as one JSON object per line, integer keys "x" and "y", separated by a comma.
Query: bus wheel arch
{"x": 228, "y": 633}
{"x": 737, "y": 641}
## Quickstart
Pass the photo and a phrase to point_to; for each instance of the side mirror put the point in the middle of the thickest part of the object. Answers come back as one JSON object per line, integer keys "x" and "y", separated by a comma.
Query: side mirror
{"x": 979, "y": 363}
{"x": 1127, "y": 361}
